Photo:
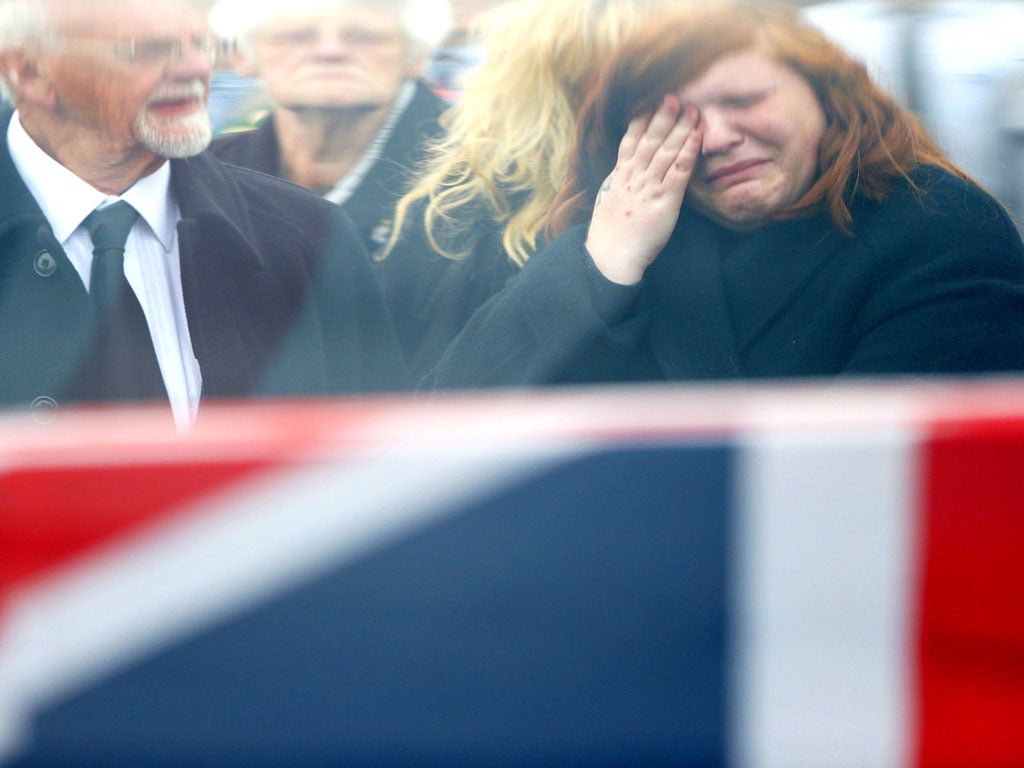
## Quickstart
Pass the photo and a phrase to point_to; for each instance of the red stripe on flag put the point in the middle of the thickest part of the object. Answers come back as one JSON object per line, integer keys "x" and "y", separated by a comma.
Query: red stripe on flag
{"x": 50, "y": 515}
{"x": 971, "y": 639}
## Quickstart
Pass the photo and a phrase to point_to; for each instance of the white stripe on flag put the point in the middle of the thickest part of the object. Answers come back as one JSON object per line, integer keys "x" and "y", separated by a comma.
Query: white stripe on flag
{"x": 825, "y": 550}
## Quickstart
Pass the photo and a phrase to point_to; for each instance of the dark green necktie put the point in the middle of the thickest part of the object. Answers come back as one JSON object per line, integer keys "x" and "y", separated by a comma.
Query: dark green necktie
{"x": 124, "y": 365}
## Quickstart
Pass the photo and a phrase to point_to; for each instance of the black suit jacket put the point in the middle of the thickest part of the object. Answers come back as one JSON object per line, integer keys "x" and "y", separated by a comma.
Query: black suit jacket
{"x": 280, "y": 297}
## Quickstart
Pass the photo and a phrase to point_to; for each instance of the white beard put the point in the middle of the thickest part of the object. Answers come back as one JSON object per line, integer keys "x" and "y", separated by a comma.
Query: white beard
{"x": 185, "y": 136}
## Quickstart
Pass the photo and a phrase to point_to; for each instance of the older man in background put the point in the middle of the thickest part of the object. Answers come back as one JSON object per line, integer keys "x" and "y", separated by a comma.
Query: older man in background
{"x": 349, "y": 114}
{"x": 134, "y": 266}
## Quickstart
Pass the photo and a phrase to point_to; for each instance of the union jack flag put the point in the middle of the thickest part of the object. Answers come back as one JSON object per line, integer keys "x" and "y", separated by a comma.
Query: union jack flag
{"x": 749, "y": 576}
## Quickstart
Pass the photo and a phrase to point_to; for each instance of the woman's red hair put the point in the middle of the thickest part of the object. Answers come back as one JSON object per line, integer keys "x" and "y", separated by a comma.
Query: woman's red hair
{"x": 869, "y": 140}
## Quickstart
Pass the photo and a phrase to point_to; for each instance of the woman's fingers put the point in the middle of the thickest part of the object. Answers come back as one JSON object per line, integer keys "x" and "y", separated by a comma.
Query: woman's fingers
{"x": 679, "y": 148}
{"x": 646, "y": 133}
{"x": 654, "y": 144}
{"x": 660, "y": 128}
{"x": 634, "y": 132}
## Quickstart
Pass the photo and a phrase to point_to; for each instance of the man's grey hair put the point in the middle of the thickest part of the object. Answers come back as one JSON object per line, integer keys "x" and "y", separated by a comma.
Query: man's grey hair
{"x": 425, "y": 23}
{"x": 22, "y": 21}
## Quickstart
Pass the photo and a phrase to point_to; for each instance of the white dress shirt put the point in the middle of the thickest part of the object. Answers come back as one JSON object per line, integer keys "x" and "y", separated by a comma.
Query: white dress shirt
{"x": 151, "y": 262}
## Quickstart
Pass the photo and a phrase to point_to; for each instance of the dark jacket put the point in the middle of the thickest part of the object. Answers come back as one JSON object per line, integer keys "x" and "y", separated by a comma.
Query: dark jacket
{"x": 279, "y": 296}
{"x": 431, "y": 297}
{"x": 372, "y": 203}
{"x": 931, "y": 283}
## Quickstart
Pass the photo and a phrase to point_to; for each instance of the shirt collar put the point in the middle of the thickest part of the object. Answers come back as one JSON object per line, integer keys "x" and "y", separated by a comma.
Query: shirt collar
{"x": 151, "y": 197}
{"x": 65, "y": 199}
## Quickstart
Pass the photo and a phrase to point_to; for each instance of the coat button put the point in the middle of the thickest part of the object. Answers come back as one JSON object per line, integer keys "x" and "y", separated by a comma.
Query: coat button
{"x": 45, "y": 264}
{"x": 44, "y": 409}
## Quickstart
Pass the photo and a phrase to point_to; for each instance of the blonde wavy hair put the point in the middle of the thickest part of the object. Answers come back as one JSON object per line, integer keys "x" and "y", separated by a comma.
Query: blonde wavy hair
{"x": 504, "y": 154}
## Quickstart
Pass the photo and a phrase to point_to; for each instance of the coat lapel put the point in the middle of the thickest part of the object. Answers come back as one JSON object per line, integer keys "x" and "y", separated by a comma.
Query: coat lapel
{"x": 718, "y": 291}
{"x": 768, "y": 269}
{"x": 218, "y": 260}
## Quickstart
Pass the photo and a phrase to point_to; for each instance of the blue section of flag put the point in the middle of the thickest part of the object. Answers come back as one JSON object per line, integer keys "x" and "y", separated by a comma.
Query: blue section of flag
{"x": 576, "y": 618}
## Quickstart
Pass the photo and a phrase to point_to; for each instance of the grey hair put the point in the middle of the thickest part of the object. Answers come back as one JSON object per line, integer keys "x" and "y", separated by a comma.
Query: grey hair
{"x": 425, "y": 23}
{"x": 22, "y": 21}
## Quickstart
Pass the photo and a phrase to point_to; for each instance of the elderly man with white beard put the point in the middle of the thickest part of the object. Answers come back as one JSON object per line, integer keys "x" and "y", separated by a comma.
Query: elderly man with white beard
{"x": 233, "y": 284}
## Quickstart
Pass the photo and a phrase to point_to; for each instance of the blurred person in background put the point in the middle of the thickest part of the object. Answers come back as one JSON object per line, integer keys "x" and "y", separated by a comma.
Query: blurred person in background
{"x": 349, "y": 112}
{"x": 745, "y": 202}
{"x": 476, "y": 211}
{"x": 957, "y": 64}
{"x": 460, "y": 53}
{"x": 137, "y": 267}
